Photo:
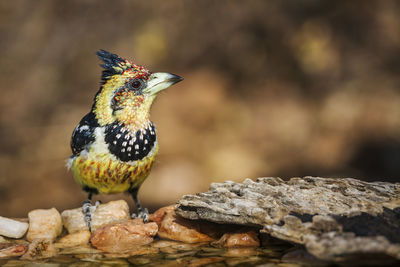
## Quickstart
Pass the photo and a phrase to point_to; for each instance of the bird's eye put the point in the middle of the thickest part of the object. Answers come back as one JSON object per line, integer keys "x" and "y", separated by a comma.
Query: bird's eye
{"x": 136, "y": 83}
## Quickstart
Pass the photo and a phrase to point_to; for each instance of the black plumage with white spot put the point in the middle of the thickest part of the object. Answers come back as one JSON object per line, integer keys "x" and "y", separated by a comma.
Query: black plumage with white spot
{"x": 128, "y": 146}
{"x": 83, "y": 134}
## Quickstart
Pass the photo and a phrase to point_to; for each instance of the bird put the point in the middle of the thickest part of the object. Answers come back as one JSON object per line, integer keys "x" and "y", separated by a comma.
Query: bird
{"x": 115, "y": 144}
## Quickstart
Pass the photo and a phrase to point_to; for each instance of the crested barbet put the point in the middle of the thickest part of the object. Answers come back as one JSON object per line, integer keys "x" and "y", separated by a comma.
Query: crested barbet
{"x": 115, "y": 145}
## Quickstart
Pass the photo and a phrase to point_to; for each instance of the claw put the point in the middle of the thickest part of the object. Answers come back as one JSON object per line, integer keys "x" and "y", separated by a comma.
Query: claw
{"x": 96, "y": 205}
{"x": 142, "y": 214}
{"x": 88, "y": 209}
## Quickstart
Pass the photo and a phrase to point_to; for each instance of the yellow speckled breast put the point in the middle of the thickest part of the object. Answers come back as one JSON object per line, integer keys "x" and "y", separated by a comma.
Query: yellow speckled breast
{"x": 107, "y": 175}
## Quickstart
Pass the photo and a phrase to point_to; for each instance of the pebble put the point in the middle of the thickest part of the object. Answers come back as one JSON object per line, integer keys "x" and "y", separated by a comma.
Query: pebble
{"x": 138, "y": 251}
{"x": 44, "y": 224}
{"x": 79, "y": 250}
{"x": 245, "y": 261}
{"x": 40, "y": 249}
{"x": 178, "y": 229}
{"x": 124, "y": 237}
{"x": 159, "y": 214}
{"x": 241, "y": 252}
{"x": 113, "y": 211}
{"x": 12, "y": 228}
{"x": 12, "y": 250}
{"x": 204, "y": 261}
{"x": 245, "y": 239}
{"x": 74, "y": 240}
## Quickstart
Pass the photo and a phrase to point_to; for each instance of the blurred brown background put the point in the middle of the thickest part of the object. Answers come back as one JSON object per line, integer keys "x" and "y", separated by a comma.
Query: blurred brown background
{"x": 272, "y": 88}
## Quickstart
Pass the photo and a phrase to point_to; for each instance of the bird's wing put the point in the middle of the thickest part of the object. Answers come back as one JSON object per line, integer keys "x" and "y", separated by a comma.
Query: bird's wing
{"x": 83, "y": 134}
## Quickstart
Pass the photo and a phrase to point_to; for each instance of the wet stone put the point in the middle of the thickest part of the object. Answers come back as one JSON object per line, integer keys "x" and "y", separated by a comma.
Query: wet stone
{"x": 176, "y": 245}
{"x": 8, "y": 250}
{"x": 244, "y": 239}
{"x": 180, "y": 255}
{"x": 139, "y": 250}
{"x": 40, "y": 249}
{"x": 241, "y": 252}
{"x": 79, "y": 250}
{"x": 176, "y": 228}
{"x": 124, "y": 237}
{"x": 204, "y": 261}
{"x": 248, "y": 261}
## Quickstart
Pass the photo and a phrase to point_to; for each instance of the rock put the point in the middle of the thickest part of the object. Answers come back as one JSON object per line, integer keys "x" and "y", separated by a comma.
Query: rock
{"x": 178, "y": 229}
{"x": 113, "y": 211}
{"x": 74, "y": 240}
{"x": 159, "y": 214}
{"x": 12, "y": 228}
{"x": 335, "y": 246}
{"x": 44, "y": 224}
{"x": 304, "y": 210}
{"x": 40, "y": 249}
{"x": 124, "y": 237}
{"x": 244, "y": 239}
{"x": 12, "y": 250}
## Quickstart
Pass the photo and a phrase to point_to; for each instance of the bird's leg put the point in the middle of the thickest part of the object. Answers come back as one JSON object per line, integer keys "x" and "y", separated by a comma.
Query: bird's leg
{"x": 142, "y": 213}
{"x": 86, "y": 209}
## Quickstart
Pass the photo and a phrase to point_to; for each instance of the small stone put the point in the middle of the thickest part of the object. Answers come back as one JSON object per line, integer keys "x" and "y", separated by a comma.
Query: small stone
{"x": 241, "y": 252}
{"x": 74, "y": 240}
{"x": 12, "y": 250}
{"x": 165, "y": 243}
{"x": 159, "y": 214}
{"x": 246, "y": 239}
{"x": 124, "y": 237}
{"x": 113, "y": 211}
{"x": 245, "y": 261}
{"x": 179, "y": 229}
{"x": 139, "y": 261}
{"x": 168, "y": 250}
{"x": 210, "y": 251}
{"x": 204, "y": 261}
{"x": 180, "y": 255}
{"x": 40, "y": 249}
{"x": 12, "y": 228}
{"x": 86, "y": 249}
{"x": 148, "y": 258}
{"x": 44, "y": 224}
{"x": 90, "y": 257}
{"x": 138, "y": 251}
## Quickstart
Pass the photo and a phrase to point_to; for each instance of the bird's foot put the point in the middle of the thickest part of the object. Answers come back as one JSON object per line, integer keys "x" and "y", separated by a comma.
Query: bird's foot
{"x": 142, "y": 214}
{"x": 88, "y": 209}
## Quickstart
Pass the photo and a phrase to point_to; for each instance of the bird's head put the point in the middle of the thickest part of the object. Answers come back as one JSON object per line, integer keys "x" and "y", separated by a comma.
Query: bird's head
{"x": 127, "y": 91}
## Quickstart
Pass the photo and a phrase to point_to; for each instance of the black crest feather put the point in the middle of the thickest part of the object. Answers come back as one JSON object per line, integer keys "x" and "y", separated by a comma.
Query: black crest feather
{"x": 113, "y": 64}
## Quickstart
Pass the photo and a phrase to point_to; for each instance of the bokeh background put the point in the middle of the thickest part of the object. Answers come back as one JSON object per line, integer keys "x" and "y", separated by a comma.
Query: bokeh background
{"x": 272, "y": 88}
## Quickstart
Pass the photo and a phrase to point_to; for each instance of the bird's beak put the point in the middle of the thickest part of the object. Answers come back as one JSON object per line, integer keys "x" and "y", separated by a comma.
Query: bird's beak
{"x": 159, "y": 81}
